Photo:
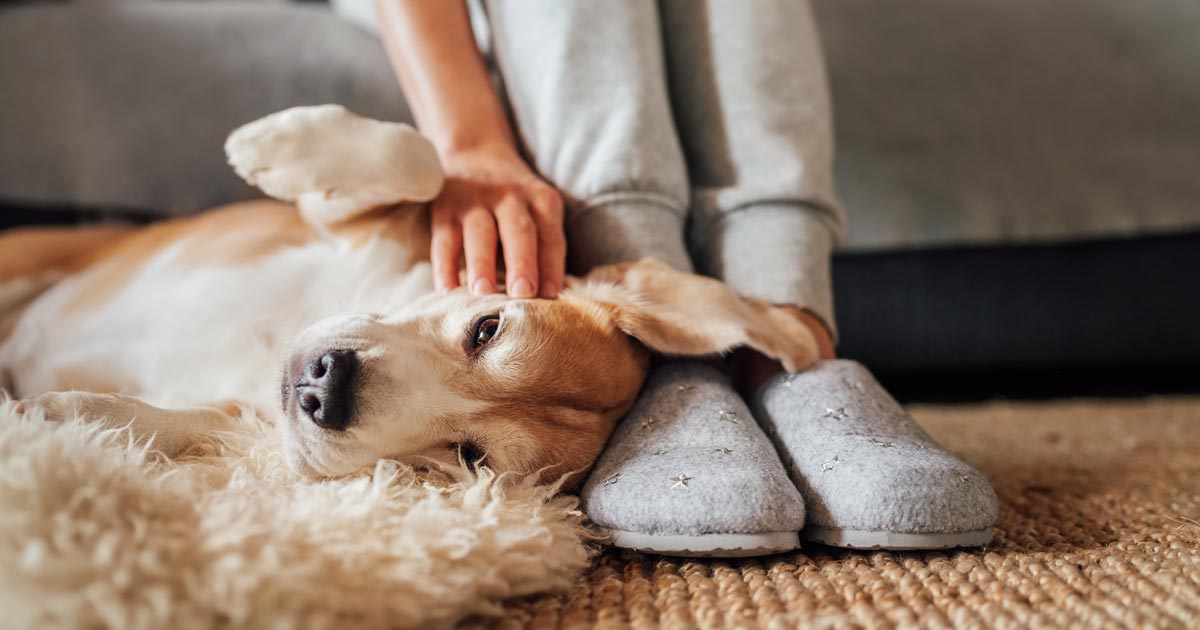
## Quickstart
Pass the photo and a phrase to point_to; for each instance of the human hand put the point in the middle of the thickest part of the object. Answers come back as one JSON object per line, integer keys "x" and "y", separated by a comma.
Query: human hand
{"x": 492, "y": 196}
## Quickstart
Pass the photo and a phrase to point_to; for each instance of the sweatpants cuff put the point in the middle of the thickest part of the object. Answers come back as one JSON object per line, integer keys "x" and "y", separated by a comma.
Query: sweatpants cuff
{"x": 625, "y": 228}
{"x": 778, "y": 253}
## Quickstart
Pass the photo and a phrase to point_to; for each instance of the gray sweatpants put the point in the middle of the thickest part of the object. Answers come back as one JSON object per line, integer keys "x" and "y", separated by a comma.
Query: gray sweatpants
{"x": 696, "y": 131}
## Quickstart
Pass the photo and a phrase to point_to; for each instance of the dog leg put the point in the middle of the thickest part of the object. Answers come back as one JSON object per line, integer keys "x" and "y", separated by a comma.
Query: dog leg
{"x": 170, "y": 431}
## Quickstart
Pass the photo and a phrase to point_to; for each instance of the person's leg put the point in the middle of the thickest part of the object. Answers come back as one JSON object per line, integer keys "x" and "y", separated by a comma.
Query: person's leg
{"x": 751, "y": 103}
{"x": 687, "y": 471}
{"x": 584, "y": 81}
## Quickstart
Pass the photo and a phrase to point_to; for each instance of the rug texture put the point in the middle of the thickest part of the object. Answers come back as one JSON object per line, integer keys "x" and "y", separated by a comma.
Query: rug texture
{"x": 96, "y": 532}
{"x": 1099, "y": 528}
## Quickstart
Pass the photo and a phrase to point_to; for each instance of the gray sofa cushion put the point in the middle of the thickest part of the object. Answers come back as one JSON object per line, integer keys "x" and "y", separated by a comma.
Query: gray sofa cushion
{"x": 1014, "y": 120}
{"x": 128, "y": 105}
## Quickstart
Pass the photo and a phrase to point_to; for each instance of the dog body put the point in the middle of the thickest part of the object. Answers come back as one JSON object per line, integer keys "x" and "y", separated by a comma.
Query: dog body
{"x": 228, "y": 290}
{"x": 324, "y": 317}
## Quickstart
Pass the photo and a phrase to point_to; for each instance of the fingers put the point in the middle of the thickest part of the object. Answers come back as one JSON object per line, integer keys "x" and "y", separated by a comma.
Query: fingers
{"x": 471, "y": 219}
{"x": 479, "y": 245}
{"x": 445, "y": 247}
{"x": 519, "y": 239}
{"x": 552, "y": 243}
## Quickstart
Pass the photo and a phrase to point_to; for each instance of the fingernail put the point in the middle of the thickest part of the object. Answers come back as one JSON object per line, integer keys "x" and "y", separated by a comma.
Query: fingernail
{"x": 521, "y": 288}
{"x": 549, "y": 290}
{"x": 483, "y": 286}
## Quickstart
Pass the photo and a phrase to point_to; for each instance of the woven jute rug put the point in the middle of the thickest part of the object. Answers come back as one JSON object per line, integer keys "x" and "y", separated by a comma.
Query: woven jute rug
{"x": 1099, "y": 528}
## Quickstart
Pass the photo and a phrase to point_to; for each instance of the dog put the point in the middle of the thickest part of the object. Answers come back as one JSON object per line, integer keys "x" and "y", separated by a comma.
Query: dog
{"x": 319, "y": 313}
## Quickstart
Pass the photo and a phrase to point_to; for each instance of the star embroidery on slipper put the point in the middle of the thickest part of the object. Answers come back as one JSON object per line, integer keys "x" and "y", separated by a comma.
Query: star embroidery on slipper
{"x": 648, "y": 423}
{"x": 730, "y": 417}
{"x": 661, "y": 451}
{"x": 836, "y": 414}
{"x": 724, "y": 450}
{"x": 964, "y": 478}
{"x": 686, "y": 387}
{"x": 881, "y": 443}
{"x": 611, "y": 479}
{"x": 681, "y": 481}
{"x": 831, "y": 464}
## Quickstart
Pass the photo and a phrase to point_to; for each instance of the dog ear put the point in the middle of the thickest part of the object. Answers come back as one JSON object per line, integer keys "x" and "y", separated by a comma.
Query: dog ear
{"x": 677, "y": 313}
{"x": 333, "y": 163}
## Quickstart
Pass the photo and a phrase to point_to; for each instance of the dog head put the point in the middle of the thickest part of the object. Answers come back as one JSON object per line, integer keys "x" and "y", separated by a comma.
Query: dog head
{"x": 519, "y": 385}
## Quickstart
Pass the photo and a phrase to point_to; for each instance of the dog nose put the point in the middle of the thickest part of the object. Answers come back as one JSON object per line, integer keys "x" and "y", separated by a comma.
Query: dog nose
{"x": 324, "y": 391}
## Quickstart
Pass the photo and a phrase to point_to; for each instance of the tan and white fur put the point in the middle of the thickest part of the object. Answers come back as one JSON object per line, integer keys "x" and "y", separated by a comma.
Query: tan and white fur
{"x": 170, "y": 328}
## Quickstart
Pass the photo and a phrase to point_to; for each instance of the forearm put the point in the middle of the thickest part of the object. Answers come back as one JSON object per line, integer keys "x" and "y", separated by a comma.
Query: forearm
{"x": 443, "y": 76}
{"x": 492, "y": 202}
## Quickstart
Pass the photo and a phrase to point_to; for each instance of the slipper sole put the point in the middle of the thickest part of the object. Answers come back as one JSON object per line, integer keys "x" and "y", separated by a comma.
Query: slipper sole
{"x": 859, "y": 539}
{"x": 706, "y": 545}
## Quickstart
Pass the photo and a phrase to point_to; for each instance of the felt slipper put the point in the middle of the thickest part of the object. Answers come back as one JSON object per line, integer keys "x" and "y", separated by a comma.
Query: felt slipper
{"x": 870, "y": 476}
{"x": 688, "y": 472}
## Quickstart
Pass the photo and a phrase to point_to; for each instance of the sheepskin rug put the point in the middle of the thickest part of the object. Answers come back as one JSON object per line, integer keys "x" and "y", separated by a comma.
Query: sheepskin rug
{"x": 98, "y": 532}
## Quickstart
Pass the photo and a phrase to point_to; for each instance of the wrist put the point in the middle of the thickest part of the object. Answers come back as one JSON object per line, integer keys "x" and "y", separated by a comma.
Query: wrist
{"x": 469, "y": 159}
{"x": 454, "y": 141}
{"x": 472, "y": 151}
{"x": 485, "y": 161}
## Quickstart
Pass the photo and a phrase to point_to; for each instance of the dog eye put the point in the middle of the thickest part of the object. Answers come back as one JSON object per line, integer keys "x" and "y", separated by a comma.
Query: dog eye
{"x": 484, "y": 330}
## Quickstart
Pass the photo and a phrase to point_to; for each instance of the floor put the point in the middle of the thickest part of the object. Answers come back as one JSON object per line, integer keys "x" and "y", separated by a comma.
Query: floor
{"x": 1099, "y": 528}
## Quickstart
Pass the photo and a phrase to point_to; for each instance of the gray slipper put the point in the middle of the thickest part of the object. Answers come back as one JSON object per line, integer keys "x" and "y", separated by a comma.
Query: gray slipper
{"x": 871, "y": 478}
{"x": 688, "y": 472}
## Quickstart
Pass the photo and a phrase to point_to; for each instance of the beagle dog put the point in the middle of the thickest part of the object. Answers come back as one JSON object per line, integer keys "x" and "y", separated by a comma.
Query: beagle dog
{"x": 321, "y": 314}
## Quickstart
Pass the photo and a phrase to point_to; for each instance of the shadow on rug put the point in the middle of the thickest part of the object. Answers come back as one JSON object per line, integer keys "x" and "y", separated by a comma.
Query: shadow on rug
{"x": 1099, "y": 528}
{"x": 96, "y": 532}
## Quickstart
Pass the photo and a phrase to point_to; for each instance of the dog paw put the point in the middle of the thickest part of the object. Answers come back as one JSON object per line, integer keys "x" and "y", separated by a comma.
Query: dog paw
{"x": 334, "y": 163}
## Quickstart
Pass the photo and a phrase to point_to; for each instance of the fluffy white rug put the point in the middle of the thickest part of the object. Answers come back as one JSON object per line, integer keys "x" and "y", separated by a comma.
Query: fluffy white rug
{"x": 95, "y": 531}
